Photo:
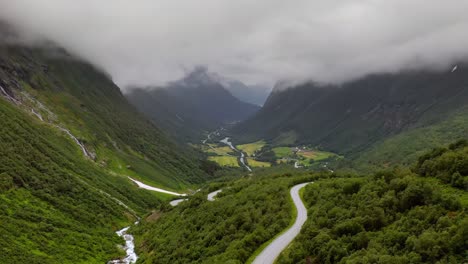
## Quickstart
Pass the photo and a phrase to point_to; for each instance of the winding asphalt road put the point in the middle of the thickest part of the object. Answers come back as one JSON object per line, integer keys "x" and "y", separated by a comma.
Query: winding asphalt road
{"x": 211, "y": 195}
{"x": 274, "y": 249}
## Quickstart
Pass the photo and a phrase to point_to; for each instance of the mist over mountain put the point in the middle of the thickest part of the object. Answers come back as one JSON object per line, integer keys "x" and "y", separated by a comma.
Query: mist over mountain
{"x": 189, "y": 107}
{"x": 352, "y": 117}
{"x": 255, "y": 94}
{"x": 118, "y": 145}
{"x": 149, "y": 43}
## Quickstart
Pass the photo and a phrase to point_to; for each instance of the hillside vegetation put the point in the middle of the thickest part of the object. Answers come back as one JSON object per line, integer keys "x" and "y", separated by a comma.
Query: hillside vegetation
{"x": 57, "y": 207}
{"x": 74, "y": 95}
{"x": 68, "y": 141}
{"x": 368, "y": 119}
{"x": 396, "y": 216}
{"x": 393, "y": 217}
{"x": 246, "y": 214}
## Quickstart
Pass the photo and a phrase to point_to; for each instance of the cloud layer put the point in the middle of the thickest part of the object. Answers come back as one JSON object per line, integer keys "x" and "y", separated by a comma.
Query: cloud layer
{"x": 148, "y": 42}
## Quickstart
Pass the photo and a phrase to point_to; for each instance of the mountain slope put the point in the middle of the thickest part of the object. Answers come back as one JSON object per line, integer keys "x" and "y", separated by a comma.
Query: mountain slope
{"x": 191, "y": 106}
{"x": 68, "y": 140}
{"x": 352, "y": 117}
{"x": 394, "y": 216}
{"x": 256, "y": 94}
{"x": 74, "y": 96}
{"x": 57, "y": 207}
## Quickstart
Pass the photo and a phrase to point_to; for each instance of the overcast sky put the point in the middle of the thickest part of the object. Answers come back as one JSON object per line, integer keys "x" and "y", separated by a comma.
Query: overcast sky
{"x": 147, "y": 42}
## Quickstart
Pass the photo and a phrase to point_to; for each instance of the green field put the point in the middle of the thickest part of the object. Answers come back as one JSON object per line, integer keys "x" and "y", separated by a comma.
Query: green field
{"x": 282, "y": 152}
{"x": 258, "y": 164}
{"x": 221, "y": 151}
{"x": 227, "y": 161}
{"x": 251, "y": 148}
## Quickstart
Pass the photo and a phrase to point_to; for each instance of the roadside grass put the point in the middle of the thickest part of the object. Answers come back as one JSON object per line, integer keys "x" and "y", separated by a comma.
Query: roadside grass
{"x": 291, "y": 223}
{"x": 251, "y": 148}
{"x": 282, "y": 152}
{"x": 258, "y": 164}
{"x": 227, "y": 161}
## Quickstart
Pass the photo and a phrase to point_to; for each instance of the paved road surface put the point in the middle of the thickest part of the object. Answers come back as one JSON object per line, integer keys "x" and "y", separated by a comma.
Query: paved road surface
{"x": 177, "y": 202}
{"x": 272, "y": 251}
{"x": 211, "y": 195}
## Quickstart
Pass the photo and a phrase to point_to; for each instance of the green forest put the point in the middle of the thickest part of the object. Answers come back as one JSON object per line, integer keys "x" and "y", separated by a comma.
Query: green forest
{"x": 403, "y": 215}
{"x": 391, "y": 217}
{"x": 247, "y": 213}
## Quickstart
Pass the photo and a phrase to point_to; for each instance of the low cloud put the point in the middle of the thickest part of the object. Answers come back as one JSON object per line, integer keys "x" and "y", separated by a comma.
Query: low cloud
{"x": 151, "y": 42}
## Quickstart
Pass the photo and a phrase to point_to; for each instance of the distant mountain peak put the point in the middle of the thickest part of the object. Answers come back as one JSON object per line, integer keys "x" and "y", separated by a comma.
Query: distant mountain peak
{"x": 201, "y": 77}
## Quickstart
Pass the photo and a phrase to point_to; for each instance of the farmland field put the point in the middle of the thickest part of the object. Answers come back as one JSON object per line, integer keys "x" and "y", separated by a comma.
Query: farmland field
{"x": 257, "y": 164}
{"x": 227, "y": 161}
{"x": 282, "y": 152}
{"x": 251, "y": 148}
{"x": 221, "y": 151}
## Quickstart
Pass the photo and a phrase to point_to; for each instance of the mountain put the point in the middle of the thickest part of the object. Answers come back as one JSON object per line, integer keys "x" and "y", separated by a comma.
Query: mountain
{"x": 191, "y": 106}
{"x": 358, "y": 115}
{"x": 68, "y": 142}
{"x": 254, "y": 94}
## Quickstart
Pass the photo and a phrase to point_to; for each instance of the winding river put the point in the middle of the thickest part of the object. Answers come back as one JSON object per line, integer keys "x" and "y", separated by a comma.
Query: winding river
{"x": 242, "y": 155}
{"x": 129, "y": 247}
{"x": 131, "y": 257}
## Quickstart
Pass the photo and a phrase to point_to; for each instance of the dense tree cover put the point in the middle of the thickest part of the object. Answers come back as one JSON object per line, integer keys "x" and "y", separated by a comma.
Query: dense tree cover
{"x": 392, "y": 217}
{"x": 396, "y": 216}
{"x": 450, "y": 165}
{"x": 55, "y": 206}
{"x": 246, "y": 214}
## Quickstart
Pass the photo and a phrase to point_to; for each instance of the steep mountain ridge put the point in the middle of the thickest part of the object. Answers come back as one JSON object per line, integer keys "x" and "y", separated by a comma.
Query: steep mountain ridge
{"x": 73, "y": 95}
{"x": 351, "y": 117}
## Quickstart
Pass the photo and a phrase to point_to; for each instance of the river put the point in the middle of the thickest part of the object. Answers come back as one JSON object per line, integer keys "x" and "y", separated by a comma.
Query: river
{"x": 242, "y": 155}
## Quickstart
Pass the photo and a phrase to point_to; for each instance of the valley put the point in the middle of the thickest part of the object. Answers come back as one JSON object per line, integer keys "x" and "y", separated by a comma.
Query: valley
{"x": 261, "y": 154}
{"x": 224, "y": 199}
{"x": 232, "y": 133}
